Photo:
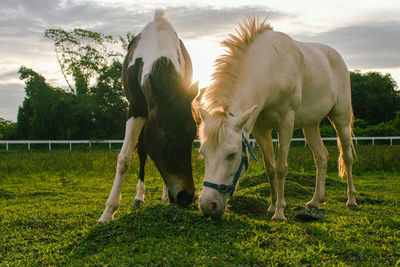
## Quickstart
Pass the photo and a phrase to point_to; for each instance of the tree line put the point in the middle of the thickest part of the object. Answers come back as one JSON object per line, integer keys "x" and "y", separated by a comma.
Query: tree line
{"x": 94, "y": 107}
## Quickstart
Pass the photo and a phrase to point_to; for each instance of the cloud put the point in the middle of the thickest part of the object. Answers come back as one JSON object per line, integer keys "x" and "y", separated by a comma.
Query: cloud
{"x": 4, "y": 76}
{"x": 374, "y": 45}
{"x": 11, "y": 97}
{"x": 31, "y": 17}
{"x": 198, "y": 22}
{"x": 22, "y": 23}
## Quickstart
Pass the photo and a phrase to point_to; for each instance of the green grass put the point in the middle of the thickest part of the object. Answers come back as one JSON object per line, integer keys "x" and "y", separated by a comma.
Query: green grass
{"x": 50, "y": 203}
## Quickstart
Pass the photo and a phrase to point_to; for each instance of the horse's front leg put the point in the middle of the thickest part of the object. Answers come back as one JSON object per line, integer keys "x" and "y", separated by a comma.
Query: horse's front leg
{"x": 285, "y": 133}
{"x": 320, "y": 154}
{"x": 141, "y": 187}
{"x": 132, "y": 131}
{"x": 264, "y": 139}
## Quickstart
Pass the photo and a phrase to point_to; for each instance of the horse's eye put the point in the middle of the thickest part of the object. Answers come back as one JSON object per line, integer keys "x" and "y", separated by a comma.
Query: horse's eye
{"x": 231, "y": 156}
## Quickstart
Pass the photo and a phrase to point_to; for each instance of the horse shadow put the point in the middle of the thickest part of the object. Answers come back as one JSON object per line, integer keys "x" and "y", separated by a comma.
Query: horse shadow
{"x": 253, "y": 197}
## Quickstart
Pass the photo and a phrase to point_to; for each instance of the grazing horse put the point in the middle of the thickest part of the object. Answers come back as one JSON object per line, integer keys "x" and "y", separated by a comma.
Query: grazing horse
{"x": 269, "y": 81}
{"x": 157, "y": 76}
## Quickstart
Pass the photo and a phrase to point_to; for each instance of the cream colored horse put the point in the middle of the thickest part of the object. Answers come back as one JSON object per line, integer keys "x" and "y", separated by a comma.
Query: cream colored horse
{"x": 269, "y": 81}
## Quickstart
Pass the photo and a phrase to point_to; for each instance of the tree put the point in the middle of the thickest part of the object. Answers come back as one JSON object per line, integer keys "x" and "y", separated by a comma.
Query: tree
{"x": 46, "y": 111}
{"x": 8, "y": 129}
{"x": 374, "y": 97}
{"x": 109, "y": 112}
{"x": 82, "y": 54}
{"x": 94, "y": 108}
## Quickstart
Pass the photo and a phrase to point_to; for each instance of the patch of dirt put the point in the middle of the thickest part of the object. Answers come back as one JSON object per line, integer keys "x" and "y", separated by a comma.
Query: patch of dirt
{"x": 248, "y": 206}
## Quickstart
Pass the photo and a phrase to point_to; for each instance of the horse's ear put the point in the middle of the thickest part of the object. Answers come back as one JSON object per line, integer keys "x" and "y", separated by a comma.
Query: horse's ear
{"x": 204, "y": 115}
{"x": 193, "y": 90}
{"x": 247, "y": 119}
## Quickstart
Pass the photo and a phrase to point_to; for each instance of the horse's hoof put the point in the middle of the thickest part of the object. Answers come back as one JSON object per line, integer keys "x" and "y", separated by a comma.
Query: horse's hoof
{"x": 104, "y": 219}
{"x": 278, "y": 219}
{"x": 137, "y": 203}
{"x": 270, "y": 214}
{"x": 352, "y": 206}
{"x": 312, "y": 207}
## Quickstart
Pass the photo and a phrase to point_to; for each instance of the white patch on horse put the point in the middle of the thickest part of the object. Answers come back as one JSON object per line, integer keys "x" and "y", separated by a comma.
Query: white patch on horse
{"x": 140, "y": 190}
{"x": 165, "y": 197}
{"x": 158, "y": 39}
{"x": 133, "y": 128}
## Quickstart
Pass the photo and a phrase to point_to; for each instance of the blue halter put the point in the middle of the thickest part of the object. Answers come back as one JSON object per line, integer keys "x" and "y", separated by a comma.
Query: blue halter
{"x": 223, "y": 188}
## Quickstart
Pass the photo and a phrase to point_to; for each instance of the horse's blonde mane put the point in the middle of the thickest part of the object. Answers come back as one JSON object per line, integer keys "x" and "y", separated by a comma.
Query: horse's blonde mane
{"x": 214, "y": 127}
{"x": 227, "y": 66}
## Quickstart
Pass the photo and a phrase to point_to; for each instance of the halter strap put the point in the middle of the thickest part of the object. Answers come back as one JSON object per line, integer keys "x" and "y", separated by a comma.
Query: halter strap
{"x": 223, "y": 188}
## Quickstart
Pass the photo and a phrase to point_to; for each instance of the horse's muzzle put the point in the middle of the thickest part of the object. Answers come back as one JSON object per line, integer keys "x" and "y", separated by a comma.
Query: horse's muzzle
{"x": 183, "y": 198}
{"x": 213, "y": 208}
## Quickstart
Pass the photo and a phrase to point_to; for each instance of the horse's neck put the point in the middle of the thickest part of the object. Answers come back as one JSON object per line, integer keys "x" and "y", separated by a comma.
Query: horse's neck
{"x": 242, "y": 101}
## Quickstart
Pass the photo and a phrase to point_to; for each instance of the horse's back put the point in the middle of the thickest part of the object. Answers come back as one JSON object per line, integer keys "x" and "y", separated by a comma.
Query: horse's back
{"x": 159, "y": 39}
{"x": 157, "y": 50}
{"x": 325, "y": 85}
{"x": 313, "y": 75}
{"x": 323, "y": 59}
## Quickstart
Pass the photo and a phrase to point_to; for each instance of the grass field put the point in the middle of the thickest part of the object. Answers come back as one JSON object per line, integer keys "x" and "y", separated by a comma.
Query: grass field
{"x": 50, "y": 203}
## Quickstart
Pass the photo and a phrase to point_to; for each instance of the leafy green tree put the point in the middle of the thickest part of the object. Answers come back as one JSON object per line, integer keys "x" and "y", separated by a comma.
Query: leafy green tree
{"x": 109, "y": 105}
{"x": 82, "y": 54}
{"x": 45, "y": 112}
{"x": 93, "y": 108}
{"x": 375, "y": 97}
{"x": 8, "y": 129}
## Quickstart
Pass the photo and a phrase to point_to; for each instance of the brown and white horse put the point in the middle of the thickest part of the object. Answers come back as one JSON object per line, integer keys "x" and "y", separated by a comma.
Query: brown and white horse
{"x": 269, "y": 81}
{"x": 157, "y": 76}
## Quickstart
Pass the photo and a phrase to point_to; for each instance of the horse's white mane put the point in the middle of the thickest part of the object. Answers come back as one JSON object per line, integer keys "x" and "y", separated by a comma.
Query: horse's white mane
{"x": 227, "y": 66}
{"x": 160, "y": 18}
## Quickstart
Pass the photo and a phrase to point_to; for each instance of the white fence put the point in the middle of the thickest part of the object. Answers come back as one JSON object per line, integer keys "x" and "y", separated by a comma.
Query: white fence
{"x": 389, "y": 139}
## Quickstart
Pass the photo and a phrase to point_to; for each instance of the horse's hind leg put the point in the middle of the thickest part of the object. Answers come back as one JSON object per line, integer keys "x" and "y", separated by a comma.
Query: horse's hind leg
{"x": 141, "y": 187}
{"x": 132, "y": 131}
{"x": 320, "y": 155}
{"x": 343, "y": 128}
{"x": 346, "y": 158}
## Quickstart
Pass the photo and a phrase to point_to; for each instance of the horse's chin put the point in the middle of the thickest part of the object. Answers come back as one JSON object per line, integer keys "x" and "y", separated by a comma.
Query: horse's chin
{"x": 212, "y": 203}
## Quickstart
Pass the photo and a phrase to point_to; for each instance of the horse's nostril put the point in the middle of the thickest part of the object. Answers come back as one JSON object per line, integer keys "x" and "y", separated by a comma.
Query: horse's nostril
{"x": 184, "y": 198}
{"x": 213, "y": 205}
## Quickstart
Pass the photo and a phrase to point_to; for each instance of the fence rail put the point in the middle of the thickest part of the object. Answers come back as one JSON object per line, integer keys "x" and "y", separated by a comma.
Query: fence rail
{"x": 110, "y": 142}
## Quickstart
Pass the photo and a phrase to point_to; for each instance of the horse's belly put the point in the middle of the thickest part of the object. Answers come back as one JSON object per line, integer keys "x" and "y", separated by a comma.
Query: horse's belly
{"x": 311, "y": 112}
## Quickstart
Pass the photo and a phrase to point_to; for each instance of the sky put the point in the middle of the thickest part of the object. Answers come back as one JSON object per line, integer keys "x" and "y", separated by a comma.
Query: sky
{"x": 365, "y": 32}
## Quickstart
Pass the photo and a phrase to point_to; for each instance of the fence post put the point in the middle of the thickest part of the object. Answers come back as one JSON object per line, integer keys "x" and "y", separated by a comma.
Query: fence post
{"x": 49, "y": 146}
{"x": 70, "y": 146}
{"x": 373, "y": 141}
{"x": 29, "y": 146}
{"x": 6, "y": 146}
{"x": 109, "y": 144}
{"x": 391, "y": 141}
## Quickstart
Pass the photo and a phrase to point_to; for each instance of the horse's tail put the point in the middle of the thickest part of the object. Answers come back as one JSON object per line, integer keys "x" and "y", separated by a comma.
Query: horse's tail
{"x": 341, "y": 164}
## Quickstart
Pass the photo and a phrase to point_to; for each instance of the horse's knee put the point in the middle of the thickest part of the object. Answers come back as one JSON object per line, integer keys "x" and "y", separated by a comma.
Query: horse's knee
{"x": 123, "y": 163}
{"x": 282, "y": 171}
{"x": 270, "y": 169}
{"x": 322, "y": 159}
